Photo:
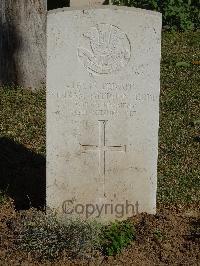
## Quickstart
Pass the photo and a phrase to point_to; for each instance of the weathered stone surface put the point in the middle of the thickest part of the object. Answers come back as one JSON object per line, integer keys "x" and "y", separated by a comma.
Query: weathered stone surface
{"x": 103, "y": 80}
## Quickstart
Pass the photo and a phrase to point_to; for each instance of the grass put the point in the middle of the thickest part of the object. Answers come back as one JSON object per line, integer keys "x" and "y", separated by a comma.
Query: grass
{"x": 178, "y": 167}
{"x": 22, "y": 116}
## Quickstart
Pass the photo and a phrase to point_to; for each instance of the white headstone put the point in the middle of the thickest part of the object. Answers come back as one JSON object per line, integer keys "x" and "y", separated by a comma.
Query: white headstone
{"x": 103, "y": 83}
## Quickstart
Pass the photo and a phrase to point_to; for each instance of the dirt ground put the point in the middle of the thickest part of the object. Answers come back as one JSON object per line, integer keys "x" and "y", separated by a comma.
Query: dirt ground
{"x": 171, "y": 237}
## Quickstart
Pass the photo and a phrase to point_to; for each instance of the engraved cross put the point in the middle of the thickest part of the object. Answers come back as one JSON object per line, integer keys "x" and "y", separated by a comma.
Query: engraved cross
{"x": 102, "y": 148}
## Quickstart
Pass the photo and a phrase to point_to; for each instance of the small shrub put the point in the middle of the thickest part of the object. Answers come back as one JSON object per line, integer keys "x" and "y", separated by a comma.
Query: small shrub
{"x": 45, "y": 236}
{"x": 48, "y": 237}
{"x": 117, "y": 236}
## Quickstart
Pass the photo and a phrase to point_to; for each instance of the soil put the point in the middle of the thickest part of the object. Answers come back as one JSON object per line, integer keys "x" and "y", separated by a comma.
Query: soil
{"x": 171, "y": 237}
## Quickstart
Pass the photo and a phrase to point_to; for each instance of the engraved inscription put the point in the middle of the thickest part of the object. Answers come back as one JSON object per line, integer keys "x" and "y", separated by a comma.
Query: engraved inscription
{"x": 102, "y": 148}
{"x": 106, "y": 49}
{"x": 106, "y": 99}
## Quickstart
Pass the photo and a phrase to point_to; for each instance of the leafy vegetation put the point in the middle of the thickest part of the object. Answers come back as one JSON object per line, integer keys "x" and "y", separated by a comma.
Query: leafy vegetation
{"x": 177, "y": 14}
{"x": 116, "y": 237}
{"x": 47, "y": 237}
{"x": 158, "y": 235}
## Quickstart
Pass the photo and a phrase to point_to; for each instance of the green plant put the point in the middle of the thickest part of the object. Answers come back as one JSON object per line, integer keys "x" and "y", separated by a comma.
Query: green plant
{"x": 48, "y": 237}
{"x": 177, "y": 14}
{"x": 3, "y": 196}
{"x": 117, "y": 236}
{"x": 182, "y": 64}
{"x": 158, "y": 234}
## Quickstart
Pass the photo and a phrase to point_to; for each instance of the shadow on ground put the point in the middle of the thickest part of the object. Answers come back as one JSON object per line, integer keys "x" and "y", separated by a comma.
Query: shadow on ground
{"x": 22, "y": 175}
